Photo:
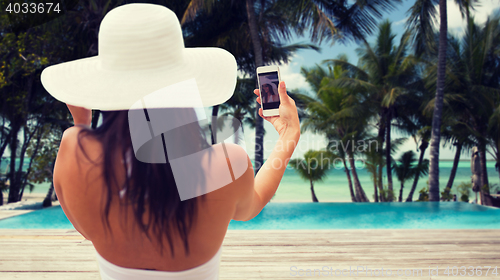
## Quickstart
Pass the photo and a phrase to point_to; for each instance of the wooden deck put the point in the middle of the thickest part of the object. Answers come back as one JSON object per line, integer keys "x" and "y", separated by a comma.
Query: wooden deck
{"x": 63, "y": 254}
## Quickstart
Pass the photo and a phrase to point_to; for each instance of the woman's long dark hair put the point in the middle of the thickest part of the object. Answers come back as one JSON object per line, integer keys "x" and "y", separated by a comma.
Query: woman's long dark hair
{"x": 148, "y": 187}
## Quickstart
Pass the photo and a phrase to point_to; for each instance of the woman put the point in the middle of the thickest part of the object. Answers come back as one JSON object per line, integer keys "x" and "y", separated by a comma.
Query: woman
{"x": 128, "y": 203}
{"x": 269, "y": 94}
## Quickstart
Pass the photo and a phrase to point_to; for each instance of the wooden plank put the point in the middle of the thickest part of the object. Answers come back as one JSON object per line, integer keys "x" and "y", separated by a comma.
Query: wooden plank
{"x": 65, "y": 254}
{"x": 50, "y": 275}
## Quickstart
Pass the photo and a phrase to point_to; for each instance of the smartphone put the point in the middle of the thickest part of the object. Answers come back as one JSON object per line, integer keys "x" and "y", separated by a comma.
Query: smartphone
{"x": 269, "y": 80}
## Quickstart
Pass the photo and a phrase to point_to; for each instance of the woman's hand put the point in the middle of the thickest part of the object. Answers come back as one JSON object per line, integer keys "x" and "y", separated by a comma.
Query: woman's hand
{"x": 81, "y": 116}
{"x": 288, "y": 120}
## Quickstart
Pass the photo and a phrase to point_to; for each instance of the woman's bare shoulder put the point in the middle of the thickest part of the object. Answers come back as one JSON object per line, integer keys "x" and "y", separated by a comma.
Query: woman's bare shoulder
{"x": 77, "y": 155}
{"x": 239, "y": 159}
{"x": 236, "y": 166}
{"x": 75, "y": 141}
{"x": 73, "y": 172}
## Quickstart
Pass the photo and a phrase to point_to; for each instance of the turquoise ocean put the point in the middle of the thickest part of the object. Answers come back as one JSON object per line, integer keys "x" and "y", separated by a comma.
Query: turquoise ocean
{"x": 335, "y": 187}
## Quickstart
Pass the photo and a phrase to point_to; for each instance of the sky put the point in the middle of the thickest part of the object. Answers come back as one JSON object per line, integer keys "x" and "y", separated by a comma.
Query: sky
{"x": 290, "y": 73}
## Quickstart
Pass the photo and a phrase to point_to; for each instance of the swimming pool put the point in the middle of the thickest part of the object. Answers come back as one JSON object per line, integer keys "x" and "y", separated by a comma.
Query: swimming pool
{"x": 290, "y": 216}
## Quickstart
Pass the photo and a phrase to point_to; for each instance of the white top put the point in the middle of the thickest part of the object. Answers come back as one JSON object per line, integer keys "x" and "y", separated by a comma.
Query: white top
{"x": 273, "y": 98}
{"x": 206, "y": 271}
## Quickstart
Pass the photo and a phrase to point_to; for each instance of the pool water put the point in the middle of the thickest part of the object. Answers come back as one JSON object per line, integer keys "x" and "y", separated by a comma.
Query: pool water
{"x": 289, "y": 216}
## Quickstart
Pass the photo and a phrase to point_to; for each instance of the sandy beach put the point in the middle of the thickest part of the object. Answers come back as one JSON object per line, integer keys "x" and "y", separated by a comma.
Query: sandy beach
{"x": 34, "y": 197}
{"x": 26, "y": 205}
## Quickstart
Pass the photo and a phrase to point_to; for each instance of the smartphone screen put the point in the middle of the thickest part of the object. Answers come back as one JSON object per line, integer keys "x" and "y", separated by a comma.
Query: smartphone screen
{"x": 269, "y": 83}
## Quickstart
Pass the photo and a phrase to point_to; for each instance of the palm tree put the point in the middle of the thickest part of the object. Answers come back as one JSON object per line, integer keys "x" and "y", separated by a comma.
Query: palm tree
{"x": 424, "y": 135}
{"x": 388, "y": 73}
{"x": 472, "y": 86}
{"x": 420, "y": 24}
{"x": 438, "y": 107}
{"x": 457, "y": 134}
{"x": 238, "y": 108}
{"x": 339, "y": 114}
{"x": 373, "y": 160}
{"x": 314, "y": 76}
{"x": 412, "y": 122}
{"x": 343, "y": 157}
{"x": 494, "y": 138}
{"x": 406, "y": 169}
{"x": 480, "y": 54}
{"x": 494, "y": 135}
{"x": 313, "y": 167}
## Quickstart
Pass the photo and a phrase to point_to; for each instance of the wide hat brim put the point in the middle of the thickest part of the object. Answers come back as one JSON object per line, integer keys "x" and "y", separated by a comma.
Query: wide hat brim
{"x": 87, "y": 84}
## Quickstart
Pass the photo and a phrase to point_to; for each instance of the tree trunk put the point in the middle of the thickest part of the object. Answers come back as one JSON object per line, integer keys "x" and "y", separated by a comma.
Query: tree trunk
{"x": 19, "y": 174}
{"x": 360, "y": 193}
{"x": 257, "y": 49}
{"x": 314, "y": 198}
{"x": 47, "y": 202}
{"x": 484, "y": 170}
{"x": 254, "y": 33}
{"x": 423, "y": 147}
{"x": 14, "y": 186}
{"x": 5, "y": 143}
{"x": 381, "y": 133}
{"x": 2, "y": 149}
{"x": 438, "y": 105}
{"x": 34, "y": 153}
{"x": 380, "y": 181}
{"x": 259, "y": 141}
{"x": 453, "y": 172}
{"x": 497, "y": 165}
{"x": 375, "y": 191}
{"x": 388, "y": 157}
{"x": 215, "y": 113}
{"x": 401, "y": 193}
{"x": 349, "y": 181}
{"x": 485, "y": 190}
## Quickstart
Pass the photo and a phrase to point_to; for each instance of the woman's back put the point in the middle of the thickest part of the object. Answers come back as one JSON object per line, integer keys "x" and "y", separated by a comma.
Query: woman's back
{"x": 81, "y": 188}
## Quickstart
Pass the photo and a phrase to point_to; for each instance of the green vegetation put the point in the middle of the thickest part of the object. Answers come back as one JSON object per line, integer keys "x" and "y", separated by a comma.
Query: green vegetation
{"x": 464, "y": 189}
{"x": 393, "y": 89}
{"x": 423, "y": 194}
{"x": 406, "y": 169}
{"x": 428, "y": 86}
{"x": 313, "y": 167}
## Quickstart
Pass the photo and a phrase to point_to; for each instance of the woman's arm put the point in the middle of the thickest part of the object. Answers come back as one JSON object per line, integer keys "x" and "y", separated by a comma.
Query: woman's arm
{"x": 65, "y": 165}
{"x": 67, "y": 176}
{"x": 269, "y": 176}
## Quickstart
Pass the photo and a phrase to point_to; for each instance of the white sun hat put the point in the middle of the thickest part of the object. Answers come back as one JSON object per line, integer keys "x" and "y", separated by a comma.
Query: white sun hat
{"x": 141, "y": 51}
